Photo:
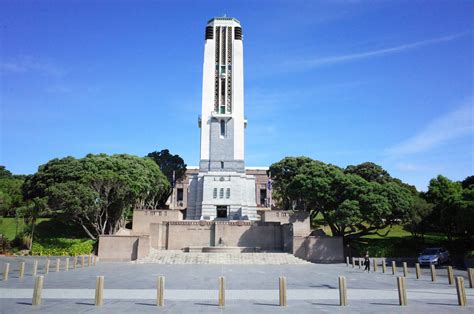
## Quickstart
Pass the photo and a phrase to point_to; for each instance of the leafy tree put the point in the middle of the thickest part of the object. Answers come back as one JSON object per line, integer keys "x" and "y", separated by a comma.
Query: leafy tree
{"x": 30, "y": 212}
{"x": 282, "y": 174}
{"x": 418, "y": 219}
{"x": 446, "y": 196}
{"x": 370, "y": 172}
{"x": 10, "y": 192}
{"x": 98, "y": 191}
{"x": 168, "y": 164}
{"x": 353, "y": 203}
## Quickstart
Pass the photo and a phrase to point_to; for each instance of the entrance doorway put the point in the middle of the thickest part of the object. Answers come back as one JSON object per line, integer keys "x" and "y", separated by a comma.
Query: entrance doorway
{"x": 221, "y": 211}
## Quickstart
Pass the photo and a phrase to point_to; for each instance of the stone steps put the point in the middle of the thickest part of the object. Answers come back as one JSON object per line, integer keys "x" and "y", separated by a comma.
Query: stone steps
{"x": 179, "y": 257}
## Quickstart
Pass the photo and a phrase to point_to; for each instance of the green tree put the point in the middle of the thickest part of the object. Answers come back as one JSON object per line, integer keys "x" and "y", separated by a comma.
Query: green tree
{"x": 10, "y": 192}
{"x": 98, "y": 191}
{"x": 351, "y": 205}
{"x": 282, "y": 173}
{"x": 169, "y": 164}
{"x": 447, "y": 198}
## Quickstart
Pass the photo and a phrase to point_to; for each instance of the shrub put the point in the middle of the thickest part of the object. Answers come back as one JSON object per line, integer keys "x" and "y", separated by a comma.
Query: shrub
{"x": 62, "y": 246}
{"x": 4, "y": 244}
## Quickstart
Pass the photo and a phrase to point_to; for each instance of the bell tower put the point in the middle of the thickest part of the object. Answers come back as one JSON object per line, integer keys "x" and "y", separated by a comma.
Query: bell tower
{"x": 222, "y": 190}
{"x": 222, "y": 117}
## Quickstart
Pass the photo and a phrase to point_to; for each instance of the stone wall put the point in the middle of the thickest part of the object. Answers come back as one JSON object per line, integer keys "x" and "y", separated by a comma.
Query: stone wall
{"x": 299, "y": 219}
{"x": 143, "y": 218}
{"x": 177, "y": 235}
{"x": 123, "y": 248}
{"x": 319, "y": 249}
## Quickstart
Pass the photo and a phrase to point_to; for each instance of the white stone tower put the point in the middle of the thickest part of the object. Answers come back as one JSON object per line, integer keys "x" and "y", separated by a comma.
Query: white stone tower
{"x": 222, "y": 190}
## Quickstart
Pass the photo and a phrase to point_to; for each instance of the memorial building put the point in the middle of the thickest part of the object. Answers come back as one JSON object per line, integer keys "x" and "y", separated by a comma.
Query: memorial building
{"x": 221, "y": 205}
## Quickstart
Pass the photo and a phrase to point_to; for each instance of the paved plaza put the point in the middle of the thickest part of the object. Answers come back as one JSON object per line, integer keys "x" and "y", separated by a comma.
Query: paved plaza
{"x": 131, "y": 287}
{"x": 179, "y": 257}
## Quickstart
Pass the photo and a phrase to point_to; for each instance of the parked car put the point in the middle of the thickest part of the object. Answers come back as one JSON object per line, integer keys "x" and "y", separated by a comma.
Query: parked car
{"x": 433, "y": 256}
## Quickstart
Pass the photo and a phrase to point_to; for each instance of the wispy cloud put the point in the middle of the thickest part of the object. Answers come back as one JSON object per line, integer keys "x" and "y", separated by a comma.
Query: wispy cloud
{"x": 316, "y": 62}
{"x": 455, "y": 124}
{"x": 26, "y": 64}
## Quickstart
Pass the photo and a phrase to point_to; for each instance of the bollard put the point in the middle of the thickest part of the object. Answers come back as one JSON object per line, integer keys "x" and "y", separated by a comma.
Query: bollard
{"x": 384, "y": 266}
{"x": 282, "y": 284}
{"x": 58, "y": 264}
{"x": 66, "y": 264}
{"x": 95, "y": 260}
{"x": 74, "y": 262}
{"x": 35, "y": 268}
{"x": 89, "y": 261}
{"x": 402, "y": 291}
{"x": 82, "y": 261}
{"x": 418, "y": 270}
{"x": 342, "y": 291}
{"x": 360, "y": 263}
{"x": 375, "y": 264}
{"x": 347, "y": 261}
{"x": 38, "y": 289}
{"x": 99, "y": 291}
{"x": 405, "y": 269}
{"x": 470, "y": 273}
{"x": 394, "y": 268}
{"x": 462, "y": 300}
{"x": 46, "y": 267}
{"x": 353, "y": 263}
{"x": 22, "y": 270}
{"x": 160, "y": 291}
{"x": 6, "y": 271}
{"x": 221, "y": 291}
{"x": 450, "y": 275}
{"x": 433, "y": 273}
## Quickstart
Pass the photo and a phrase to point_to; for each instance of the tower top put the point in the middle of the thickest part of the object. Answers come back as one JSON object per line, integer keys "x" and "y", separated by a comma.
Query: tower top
{"x": 222, "y": 19}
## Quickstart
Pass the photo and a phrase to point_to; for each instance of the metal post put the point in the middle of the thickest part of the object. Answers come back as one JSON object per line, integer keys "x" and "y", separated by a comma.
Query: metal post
{"x": 462, "y": 300}
{"x": 38, "y": 289}
{"x": 470, "y": 273}
{"x": 450, "y": 275}
{"x": 160, "y": 291}
{"x": 384, "y": 266}
{"x": 394, "y": 268}
{"x": 282, "y": 284}
{"x": 74, "y": 262}
{"x": 46, "y": 267}
{"x": 433, "y": 273}
{"x": 402, "y": 292}
{"x": 221, "y": 291}
{"x": 353, "y": 263}
{"x": 6, "y": 271}
{"x": 342, "y": 291}
{"x": 82, "y": 261}
{"x": 58, "y": 264}
{"x": 99, "y": 291}
{"x": 35, "y": 267}
{"x": 22, "y": 270}
{"x": 89, "y": 260}
{"x": 375, "y": 265}
{"x": 418, "y": 270}
{"x": 347, "y": 261}
{"x": 405, "y": 269}
{"x": 66, "y": 264}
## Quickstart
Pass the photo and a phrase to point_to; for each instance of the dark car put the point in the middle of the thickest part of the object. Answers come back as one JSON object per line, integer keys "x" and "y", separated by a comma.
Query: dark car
{"x": 433, "y": 256}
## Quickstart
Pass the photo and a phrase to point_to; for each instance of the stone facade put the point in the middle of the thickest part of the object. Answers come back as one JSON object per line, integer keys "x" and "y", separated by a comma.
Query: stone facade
{"x": 262, "y": 195}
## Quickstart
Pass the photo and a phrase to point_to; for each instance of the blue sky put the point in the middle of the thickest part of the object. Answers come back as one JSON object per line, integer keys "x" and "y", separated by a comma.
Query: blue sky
{"x": 343, "y": 82}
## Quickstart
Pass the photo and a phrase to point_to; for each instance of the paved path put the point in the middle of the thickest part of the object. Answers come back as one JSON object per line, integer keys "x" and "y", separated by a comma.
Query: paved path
{"x": 267, "y": 295}
{"x": 130, "y": 287}
{"x": 180, "y": 258}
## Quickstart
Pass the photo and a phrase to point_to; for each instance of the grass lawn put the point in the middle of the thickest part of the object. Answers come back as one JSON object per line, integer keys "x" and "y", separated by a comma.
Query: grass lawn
{"x": 8, "y": 226}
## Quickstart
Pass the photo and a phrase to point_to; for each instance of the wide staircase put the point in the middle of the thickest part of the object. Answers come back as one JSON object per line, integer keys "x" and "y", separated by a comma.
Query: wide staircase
{"x": 180, "y": 257}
